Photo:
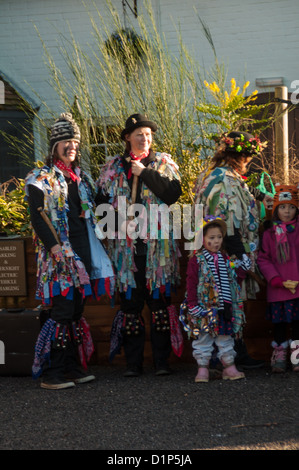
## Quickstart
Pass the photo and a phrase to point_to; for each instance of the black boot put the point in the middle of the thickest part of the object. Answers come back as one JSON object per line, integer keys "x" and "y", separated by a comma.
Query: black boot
{"x": 133, "y": 344}
{"x": 242, "y": 358}
{"x": 161, "y": 342}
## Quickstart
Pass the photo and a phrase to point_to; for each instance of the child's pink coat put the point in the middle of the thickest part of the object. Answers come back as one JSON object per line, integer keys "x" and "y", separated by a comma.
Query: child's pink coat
{"x": 270, "y": 267}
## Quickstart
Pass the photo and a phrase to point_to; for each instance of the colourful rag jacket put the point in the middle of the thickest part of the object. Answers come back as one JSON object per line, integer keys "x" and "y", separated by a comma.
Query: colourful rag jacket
{"x": 224, "y": 193}
{"x": 209, "y": 303}
{"x": 162, "y": 255}
{"x": 62, "y": 277}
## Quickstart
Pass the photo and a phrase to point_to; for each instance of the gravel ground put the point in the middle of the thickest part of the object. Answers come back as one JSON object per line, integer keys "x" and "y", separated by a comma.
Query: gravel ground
{"x": 170, "y": 413}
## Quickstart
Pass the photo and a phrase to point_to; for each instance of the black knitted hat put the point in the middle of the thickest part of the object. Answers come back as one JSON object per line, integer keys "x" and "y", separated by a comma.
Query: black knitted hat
{"x": 64, "y": 128}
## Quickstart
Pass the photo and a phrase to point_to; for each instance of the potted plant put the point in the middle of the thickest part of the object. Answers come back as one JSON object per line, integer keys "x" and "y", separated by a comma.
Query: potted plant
{"x": 14, "y": 214}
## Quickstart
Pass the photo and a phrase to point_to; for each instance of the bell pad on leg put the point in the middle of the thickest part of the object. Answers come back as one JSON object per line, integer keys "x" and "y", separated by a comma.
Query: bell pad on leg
{"x": 160, "y": 320}
{"x": 132, "y": 324}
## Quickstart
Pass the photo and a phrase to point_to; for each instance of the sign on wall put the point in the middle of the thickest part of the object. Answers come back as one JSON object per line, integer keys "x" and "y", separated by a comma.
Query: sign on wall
{"x": 12, "y": 268}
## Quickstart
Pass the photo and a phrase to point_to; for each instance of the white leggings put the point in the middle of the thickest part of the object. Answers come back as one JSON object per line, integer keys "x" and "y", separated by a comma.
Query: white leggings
{"x": 204, "y": 346}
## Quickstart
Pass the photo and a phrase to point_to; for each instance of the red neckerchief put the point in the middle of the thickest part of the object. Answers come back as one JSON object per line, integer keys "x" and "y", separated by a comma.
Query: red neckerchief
{"x": 66, "y": 169}
{"x": 133, "y": 157}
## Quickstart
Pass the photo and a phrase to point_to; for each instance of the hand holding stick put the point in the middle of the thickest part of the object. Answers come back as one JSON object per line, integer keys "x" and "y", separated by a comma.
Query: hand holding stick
{"x": 56, "y": 249}
{"x": 137, "y": 168}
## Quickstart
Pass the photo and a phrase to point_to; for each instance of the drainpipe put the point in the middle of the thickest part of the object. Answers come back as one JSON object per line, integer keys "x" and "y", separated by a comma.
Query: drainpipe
{"x": 282, "y": 135}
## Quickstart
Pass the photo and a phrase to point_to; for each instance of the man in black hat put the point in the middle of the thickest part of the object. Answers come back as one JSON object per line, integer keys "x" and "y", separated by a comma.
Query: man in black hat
{"x": 61, "y": 205}
{"x": 147, "y": 268}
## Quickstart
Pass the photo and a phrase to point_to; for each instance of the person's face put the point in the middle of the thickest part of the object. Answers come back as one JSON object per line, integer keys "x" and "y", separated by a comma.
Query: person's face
{"x": 213, "y": 239}
{"x": 67, "y": 151}
{"x": 286, "y": 212}
{"x": 140, "y": 140}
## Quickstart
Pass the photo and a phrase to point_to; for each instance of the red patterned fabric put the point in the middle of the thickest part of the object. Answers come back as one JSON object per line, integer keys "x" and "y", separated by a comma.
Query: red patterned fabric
{"x": 86, "y": 348}
{"x": 177, "y": 341}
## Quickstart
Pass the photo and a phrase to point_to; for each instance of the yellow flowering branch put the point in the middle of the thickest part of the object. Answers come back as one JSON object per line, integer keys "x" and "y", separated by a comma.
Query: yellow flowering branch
{"x": 231, "y": 109}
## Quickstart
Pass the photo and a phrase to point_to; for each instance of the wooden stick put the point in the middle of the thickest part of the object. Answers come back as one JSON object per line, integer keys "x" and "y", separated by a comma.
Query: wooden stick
{"x": 257, "y": 278}
{"x": 48, "y": 222}
{"x": 134, "y": 188}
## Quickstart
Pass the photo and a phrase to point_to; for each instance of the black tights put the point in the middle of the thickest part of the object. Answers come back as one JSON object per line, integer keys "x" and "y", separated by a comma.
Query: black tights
{"x": 280, "y": 331}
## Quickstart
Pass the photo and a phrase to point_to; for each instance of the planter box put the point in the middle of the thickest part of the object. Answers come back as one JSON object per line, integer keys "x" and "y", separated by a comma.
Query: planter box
{"x": 18, "y": 334}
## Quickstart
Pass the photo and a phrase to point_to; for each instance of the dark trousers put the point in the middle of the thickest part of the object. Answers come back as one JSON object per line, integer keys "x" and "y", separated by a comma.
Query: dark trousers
{"x": 64, "y": 358}
{"x": 66, "y": 311}
{"x": 160, "y": 340}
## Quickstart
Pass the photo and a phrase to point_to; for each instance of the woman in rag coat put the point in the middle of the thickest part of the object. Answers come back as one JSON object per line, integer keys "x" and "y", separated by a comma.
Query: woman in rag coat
{"x": 71, "y": 261}
{"x": 224, "y": 193}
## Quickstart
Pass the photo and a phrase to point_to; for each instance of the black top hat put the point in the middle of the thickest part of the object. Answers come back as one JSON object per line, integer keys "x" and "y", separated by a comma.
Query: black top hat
{"x": 135, "y": 121}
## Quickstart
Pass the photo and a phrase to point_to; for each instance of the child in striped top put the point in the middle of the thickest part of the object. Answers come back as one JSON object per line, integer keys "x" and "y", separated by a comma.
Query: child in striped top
{"x": 212, "y": 313}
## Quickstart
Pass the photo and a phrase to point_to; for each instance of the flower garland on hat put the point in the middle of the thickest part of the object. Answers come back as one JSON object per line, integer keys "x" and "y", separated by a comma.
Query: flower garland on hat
{"x": 240, "y": 144}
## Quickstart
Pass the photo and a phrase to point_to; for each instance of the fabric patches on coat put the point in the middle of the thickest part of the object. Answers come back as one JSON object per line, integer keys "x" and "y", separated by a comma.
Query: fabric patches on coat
{"x": 209, "y": 317}
{"x": 224, "y": 193}
{"x": 162, "y": 265}
{"x": 55, "y": 276}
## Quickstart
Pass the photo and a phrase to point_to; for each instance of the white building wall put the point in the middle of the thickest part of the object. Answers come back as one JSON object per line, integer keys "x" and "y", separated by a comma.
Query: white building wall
{"x": 254, "y": 38}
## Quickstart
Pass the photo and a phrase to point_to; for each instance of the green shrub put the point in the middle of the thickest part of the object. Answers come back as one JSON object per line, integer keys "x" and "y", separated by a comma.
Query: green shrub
{"x": 14, "y": 211}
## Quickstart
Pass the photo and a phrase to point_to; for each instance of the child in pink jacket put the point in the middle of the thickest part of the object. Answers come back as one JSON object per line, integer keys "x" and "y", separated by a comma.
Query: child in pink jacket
{"x": 278, "y": 261}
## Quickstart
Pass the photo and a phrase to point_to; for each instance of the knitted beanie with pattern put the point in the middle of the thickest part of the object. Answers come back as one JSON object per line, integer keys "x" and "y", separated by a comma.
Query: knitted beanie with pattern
{"x": 64, "y": 128}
